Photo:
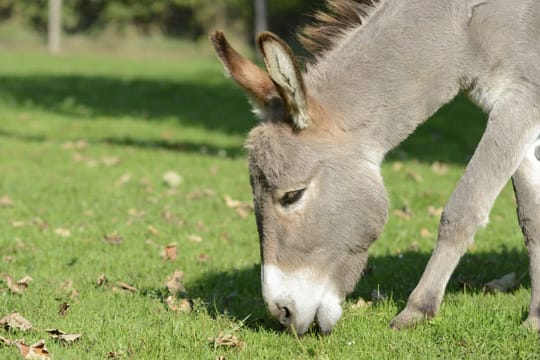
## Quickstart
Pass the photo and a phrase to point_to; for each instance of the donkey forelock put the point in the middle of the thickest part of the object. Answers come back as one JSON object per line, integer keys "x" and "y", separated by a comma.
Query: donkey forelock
{"x": 332, "y": 24}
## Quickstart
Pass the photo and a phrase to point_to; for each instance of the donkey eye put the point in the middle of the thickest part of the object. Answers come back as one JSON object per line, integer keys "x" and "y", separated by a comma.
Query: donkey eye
{"x": 291, "y": 197}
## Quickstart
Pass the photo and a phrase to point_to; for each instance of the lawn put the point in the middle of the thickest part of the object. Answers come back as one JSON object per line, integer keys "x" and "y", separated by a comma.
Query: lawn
{"x": 85, "y": 141}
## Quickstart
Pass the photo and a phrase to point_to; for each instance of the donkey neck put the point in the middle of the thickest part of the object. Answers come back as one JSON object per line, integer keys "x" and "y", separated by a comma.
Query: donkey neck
{"x": 388, "y": 76}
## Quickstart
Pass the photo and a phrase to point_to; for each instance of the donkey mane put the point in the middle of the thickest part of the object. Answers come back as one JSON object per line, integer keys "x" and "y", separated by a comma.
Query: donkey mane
{"x": 332, "y": 24}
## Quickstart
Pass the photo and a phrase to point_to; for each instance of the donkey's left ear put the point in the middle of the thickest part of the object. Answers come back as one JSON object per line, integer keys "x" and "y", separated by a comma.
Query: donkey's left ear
{"x": 286, "y": 75}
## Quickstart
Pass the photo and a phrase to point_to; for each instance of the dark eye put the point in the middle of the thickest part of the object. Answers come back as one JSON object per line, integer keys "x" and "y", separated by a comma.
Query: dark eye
{"x": 291, "y": 197}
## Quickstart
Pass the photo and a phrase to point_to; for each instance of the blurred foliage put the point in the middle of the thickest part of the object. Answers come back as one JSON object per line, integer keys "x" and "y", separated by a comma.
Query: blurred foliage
{"x": 182, "y": 18}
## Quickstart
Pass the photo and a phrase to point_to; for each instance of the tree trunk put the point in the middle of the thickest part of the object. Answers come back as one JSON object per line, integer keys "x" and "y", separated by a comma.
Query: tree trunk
{"x": 261, "y": 16}
{"x": 55, "y": 26}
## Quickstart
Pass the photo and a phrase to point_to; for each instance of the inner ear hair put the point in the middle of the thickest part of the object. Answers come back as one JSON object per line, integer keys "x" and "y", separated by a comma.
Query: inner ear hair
{"x": 285, "y": 72}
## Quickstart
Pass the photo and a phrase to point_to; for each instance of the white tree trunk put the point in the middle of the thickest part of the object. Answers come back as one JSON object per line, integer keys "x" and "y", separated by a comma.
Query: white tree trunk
{"x": 261, "y": 16}
{"x": 55, "y": 26}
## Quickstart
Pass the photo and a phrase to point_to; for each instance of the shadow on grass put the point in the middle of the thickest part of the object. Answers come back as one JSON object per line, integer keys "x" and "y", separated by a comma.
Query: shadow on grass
{"x": 237, "y": 293}
{"x": 215, "y": 104}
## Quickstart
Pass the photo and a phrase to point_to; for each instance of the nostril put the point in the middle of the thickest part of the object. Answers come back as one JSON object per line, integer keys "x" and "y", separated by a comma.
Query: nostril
{"x": 285, "y": 316}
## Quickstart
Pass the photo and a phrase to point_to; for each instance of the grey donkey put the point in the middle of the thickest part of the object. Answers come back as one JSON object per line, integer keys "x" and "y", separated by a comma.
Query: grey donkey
{"x": 380, "y": 69}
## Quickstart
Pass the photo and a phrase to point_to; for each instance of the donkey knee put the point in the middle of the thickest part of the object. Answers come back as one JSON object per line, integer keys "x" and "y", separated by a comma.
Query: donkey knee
{"x": 458, "y": 228}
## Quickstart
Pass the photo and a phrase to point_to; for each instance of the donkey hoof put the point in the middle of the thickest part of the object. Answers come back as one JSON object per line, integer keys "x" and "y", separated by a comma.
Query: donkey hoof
{"x": 532, "y": 324}
{"x": 408, "y": 318}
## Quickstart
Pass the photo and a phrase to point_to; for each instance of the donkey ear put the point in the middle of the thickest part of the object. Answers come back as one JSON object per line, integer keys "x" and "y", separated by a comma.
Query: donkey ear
{"x": 285, "y": 72}
{"x": 252, "y": 78}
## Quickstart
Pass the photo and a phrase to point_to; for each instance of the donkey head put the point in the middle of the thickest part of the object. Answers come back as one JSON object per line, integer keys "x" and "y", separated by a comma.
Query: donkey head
{"x": 319, "y": 202}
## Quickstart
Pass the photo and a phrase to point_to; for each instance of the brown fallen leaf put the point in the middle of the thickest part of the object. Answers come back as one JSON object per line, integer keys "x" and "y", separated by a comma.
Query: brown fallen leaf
{"x": 5, "y": 341}
{"x": 57, "y": 334}
{"x": 242, "y": 208}
{"x": 75, "y": 145}
{"x": 35, "y": 351}
{"x": 435, "y": 211}
{"x": 425, "y": 233}
{"x": 415, "y": 176}
{"x": 439, "y": 168}
{"x": 194, "y": 238}
{"x": 361, "y": 303}
{"x": 63, "y": 308}
{"x": 126, "y": 287}
{"x": 40, "y": 223}
{"x": 402, "y": 214}
{"x": 174, "y": 283}
{"x": 110, "y": 161}
{"x": 179, "y": 305}
{"x": 15, "y": 321}
{"x": 7, "y": 259}
{"x": 220, "y": 357}
{"x": 227, "y": 340}
{"x": 12, "y": 285}
{"x": 113, "y": 239}
{"x": 101, "y": 280}
{"x": 172, "y": 179}
{"x": 202, "y": 257}
{"x": 68, "y": 289}
{"x": 5, "y": 201}
{"x": 414, "y": 246}
{"x": 199, "y": 194}
{"x": 17, "y": 224}
{"x": 124, "y": 179}
{"x": 397, "y": 166}
{"x": 62, "y": 232}
{"x": 169, "y": 252}
{"x": 503, "y": 284}
{"x": 152, "y": 230}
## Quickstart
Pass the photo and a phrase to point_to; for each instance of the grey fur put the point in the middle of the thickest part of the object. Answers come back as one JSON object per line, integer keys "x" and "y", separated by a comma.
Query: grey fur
{"x": 367, "y": 94}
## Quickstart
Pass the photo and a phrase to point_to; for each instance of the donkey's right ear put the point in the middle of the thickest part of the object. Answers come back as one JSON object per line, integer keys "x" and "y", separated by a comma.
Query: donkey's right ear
{"x": 249, "y": 76}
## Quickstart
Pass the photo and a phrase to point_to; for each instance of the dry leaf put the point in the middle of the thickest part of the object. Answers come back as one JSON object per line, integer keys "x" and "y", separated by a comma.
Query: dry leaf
{"x": 172, "y": 179}
{"x": 62, "y": 232}
{"x": 174, "y": 282}
{"x": 124, "y": 179}
{"x": 194, "y": 238}
{"x": 202, "y": 257}
{"x": 397, "y": 166}
{"x": 15, "y": 321}
{"x": 169, "y": 252}
{"x": 17, "y": 224}
{"x": 12, "y": 286}
{"x": 435, "y": 211}
{"x": 179, "y": 305}
{"x": 7, "y": 259}
{"x": 415, "y": 176}
{"x": 152, "y": 230}
{"x": 68, "y": 289}
{"x": 57, "y": 334}
{"x": 75, "y": 145}
{"x": 425, "y": 233}
{"x": 414, "y": 246}
{"x": 199, "y": 194}
{"x": 113, "y": 239}
{"x": 63, "y": 308}
{"x": 35, "y": 351}
{"x": 5, "y": 341}
{"x": 5, "y": 201}
{"x": 214, "y": 170}
{"x": 220, "y": 358}
{"x": 110, "y": 161}
{"x": 228, "y": 340}
{"x": 402, "y": 214}
{"x": 126, "y": 287}
{"x": 101, "y": 280}
{"x": 361, "y": 303}
{"x": 242, "y": 208}
{"x": 503, "y": 284}
{"x": 439, "y": 168}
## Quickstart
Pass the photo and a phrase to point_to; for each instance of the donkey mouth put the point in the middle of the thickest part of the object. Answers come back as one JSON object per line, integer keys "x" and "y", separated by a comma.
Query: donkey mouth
{"x": 298, "y": 299}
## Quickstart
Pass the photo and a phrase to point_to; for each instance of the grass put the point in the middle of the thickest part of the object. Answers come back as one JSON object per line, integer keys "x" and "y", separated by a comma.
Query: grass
{"x": 142, "y": 117}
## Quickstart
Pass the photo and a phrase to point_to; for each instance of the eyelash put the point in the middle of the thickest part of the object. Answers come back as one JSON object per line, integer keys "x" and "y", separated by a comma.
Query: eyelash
{"x": 291, "y": 197}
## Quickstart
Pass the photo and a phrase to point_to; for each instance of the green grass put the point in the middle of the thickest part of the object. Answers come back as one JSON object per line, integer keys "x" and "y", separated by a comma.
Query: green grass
{"x": 161, "y": 114}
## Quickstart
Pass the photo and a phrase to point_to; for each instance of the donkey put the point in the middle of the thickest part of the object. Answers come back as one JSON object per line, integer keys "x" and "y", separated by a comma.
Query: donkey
{"x": 380, "y": 69}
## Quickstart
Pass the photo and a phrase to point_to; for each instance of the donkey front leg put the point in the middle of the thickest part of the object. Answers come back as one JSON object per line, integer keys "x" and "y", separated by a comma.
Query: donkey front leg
{"x": 508, "y": 134}
{"x": 526, "y": 182}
